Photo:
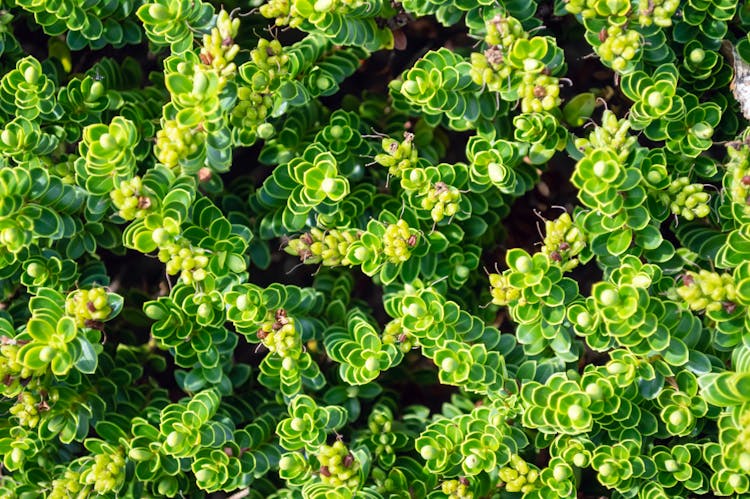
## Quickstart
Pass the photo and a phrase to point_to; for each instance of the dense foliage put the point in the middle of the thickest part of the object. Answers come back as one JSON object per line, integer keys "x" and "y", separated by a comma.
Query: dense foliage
{"x": 244, "y": 248}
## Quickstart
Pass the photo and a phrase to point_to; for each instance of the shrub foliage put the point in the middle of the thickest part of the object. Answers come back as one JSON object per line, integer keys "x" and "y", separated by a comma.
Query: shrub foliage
{"x": 244, "y": 248}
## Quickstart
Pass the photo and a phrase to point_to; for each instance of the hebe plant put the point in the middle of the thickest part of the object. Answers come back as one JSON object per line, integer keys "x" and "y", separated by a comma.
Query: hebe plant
{"x": 362, "y": 248}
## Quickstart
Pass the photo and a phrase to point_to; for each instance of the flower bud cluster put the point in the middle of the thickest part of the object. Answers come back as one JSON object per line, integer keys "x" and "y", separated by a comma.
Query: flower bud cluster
{"x": 539, "y": 92}
{"x": 179, "y": 254}
{"x": 251, "y": 111}
{"x": 26, "y": 409}
{"x": 689, "y": 201}
{"x": 281, "y": 12}
{"x": 219, "y": 49}
{"x": 280, "y": 335}
{"x": 503, "y": 293}
{"x": 503, "y": 31}
{"x": 442, "y": 200}
{"x": 270, "y": 58}
{"x": 657, "y": 12}
{"x": 326, "y": 247}
{"x": 398, "y": 241}
{"x": 394, "y": 333}
{"x": 537, "y": 89}
{"x": 11, "y": 369}
{"x": 708, "y": 291}
{"x": 338, "y": 467}
{"x": 88, "y": 306}
{"x": 491, "y": 67}
{"x": 66, "y": 486}
{"x": 107, "y": 472}
{"x": 518, "y": 477}
{"x": 563, "y": 241}
{"x": 175, "y": 142}
{"x": 619, "y": 46}
{"x": 255, "y": 101}
{"x": 613, "y": 134}
{"x": 130, "y": 199}
{"x": 398, "y": 157}
{"x": 457, "y": 489}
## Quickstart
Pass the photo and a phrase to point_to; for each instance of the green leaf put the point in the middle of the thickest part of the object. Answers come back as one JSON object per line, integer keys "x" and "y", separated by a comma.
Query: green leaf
{"x": 677, "y": 354}
{"x": 110, "y": 432}
{"x": 618, "y": 242}
{"x": 178, "y": 84}
{"x": 67, "y": 329}
{"x": 579, "y": 109}
{"x": 47, "y": 223}
{"x": 190, "y": 117}
{"x": 41, "y": 330}
{"x": 720, "y": 389}
{"x": 87, "y": 361}
{"x": 115, "y": 302}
